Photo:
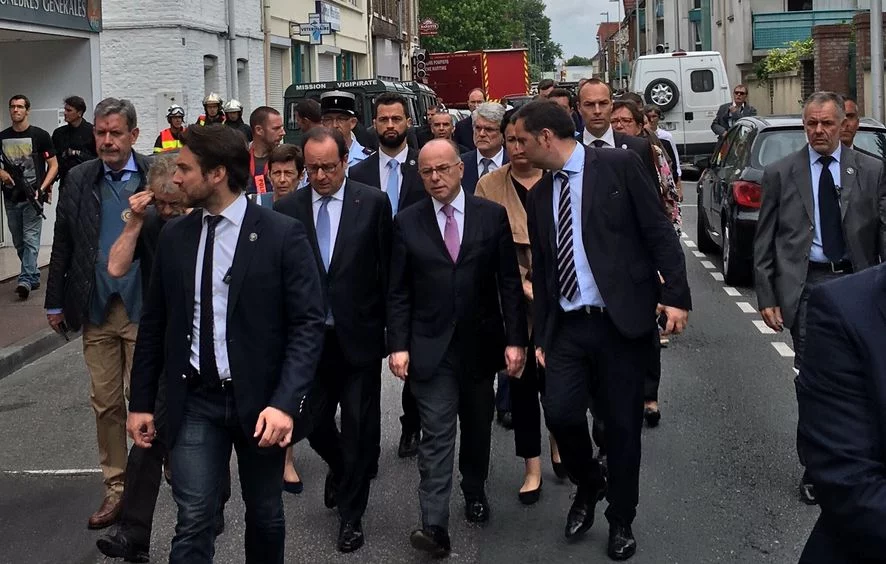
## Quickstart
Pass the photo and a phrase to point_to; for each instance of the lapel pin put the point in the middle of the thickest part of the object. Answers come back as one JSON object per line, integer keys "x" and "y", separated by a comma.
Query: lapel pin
{"x": 126, "y": 215}
{"x": 624, "y": 146}
{"x": 253, "y": 237}
{"x": 850, "y": 171}
{"x": 411, "y": 162}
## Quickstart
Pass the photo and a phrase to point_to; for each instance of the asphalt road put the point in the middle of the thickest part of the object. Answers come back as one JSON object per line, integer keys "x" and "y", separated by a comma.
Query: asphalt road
{"x": 718, "y": 482}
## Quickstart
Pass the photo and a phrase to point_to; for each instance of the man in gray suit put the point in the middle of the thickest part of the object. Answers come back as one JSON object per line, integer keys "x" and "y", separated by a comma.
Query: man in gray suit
{"x": 823, "y": 215}
{"x": 728, "y": 114}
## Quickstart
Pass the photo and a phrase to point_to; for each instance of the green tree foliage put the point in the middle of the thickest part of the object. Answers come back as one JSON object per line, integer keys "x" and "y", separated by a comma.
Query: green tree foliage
{"x": 577, "y": 61}
{"x": 492, "y": 24}
{"x": 783, "y": 60}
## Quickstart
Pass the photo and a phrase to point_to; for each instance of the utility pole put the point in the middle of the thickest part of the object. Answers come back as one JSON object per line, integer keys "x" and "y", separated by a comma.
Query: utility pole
{"x": 637, "y": 52}
{"x": 877, "y": 60}
{"x": 605, "y": 47}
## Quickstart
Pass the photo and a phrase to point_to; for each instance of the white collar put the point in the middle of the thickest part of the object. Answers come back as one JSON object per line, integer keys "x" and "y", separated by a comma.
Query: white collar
{"x": 458, "y": 203}
{"x": 608, "y": 137}
{"x": 497, "y": 159}
{"x": 235, "y": 212}
{"x": 339, "y": 194}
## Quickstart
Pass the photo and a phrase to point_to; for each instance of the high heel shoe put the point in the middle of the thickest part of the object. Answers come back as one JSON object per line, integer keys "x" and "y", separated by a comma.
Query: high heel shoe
{"x": 559, "y": 468}
{"x": 652, "y": 416}
{"x": 532, "y": 496}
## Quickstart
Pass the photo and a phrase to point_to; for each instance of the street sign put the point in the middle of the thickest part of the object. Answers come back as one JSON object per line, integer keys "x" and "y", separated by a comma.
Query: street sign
{"x": 315, "y": 29}
{"x": 428, "y": 27}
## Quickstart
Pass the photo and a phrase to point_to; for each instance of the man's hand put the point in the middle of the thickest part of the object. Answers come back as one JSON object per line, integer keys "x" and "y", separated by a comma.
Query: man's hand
{"x": 677, "y": 319}
{"x": 540, "y": 356}
{"x": 515, "y": 359}
{"x": 55, "y": 321}
{"x": 772, "y": 318}
{"x": 274, "y": 427}
{"x": 140, "y": 427}
{"x": 527, "y": 289}
{"x": 138, "y": 203}
{"x": 399, "y": 364}
{"x": 5, "y": 178}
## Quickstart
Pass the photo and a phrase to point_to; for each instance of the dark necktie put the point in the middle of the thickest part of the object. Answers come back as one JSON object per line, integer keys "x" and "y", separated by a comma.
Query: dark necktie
{"x": 486, "y": 164}
{"x": 116, "y": 175}
{"x": 567, "y": 277}
{"x": 829, "y": 213}
{"x": 598, "y": 143}
{"x": 208, "y": 366}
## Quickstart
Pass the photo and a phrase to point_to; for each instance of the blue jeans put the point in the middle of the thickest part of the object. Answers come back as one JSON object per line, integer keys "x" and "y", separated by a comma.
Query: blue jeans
{"x": 200, "y": 457}
{"x": 25, "y": 224}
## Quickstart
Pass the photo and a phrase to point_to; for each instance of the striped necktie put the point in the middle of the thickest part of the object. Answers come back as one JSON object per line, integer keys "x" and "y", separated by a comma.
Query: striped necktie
{"x": 567, "y": 276}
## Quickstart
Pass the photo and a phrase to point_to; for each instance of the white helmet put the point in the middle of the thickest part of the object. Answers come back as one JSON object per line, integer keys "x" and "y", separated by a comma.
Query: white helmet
{"x": 175, "y": 111}
{"x": 212, "y": 98}
{"x": 233, "y": 106}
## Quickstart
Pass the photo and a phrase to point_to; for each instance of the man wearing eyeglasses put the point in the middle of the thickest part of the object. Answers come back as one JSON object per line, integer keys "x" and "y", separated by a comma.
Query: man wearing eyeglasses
{"x": 455, "y": 318}
{"x": 728, "y": 113}
{"x": 338, "y": 111}
{"x": 349, "y": 227}
{"x": 490, "y": 154}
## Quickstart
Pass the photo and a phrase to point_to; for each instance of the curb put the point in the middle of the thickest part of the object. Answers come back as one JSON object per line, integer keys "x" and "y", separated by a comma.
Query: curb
{"x": 28, "y": 350}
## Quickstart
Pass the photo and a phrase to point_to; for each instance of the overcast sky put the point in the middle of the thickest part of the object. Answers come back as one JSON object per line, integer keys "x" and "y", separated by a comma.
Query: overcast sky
{"x": 574, "y": 23}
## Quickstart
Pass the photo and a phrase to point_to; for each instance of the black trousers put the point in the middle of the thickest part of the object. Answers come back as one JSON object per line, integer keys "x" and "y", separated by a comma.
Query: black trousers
{"x": 525, "y": 407}
{"x": 588, "y": 353}
{"x": 410, "y": 420}
{"x": 653, "y": 374}
{"x": 352, "y": 452}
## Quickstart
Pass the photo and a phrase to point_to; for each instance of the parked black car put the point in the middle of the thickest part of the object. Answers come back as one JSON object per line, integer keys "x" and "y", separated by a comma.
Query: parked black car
{"x": 729, "y": 191}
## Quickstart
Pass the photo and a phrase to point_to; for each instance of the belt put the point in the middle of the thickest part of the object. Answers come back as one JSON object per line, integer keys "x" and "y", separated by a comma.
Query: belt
{"x": 842, "y": 267}
{"x": 197, "y": 383}
{"x": 592, "y": 311}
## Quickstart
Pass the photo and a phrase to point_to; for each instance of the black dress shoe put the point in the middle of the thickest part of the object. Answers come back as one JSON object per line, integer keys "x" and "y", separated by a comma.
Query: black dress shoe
{"x": 118, "y": 545}
{"x": 294, "y": 488}
{"x": 505, "y": 419}
{"x": 652, "y": 416}
{"x": 408, "y": 444}
{"x": 330, "y": 491}
{"x": 581, "y": 515}
{"x": 350, "y": 536}
{"x": 621, "y": 542}
{"x": 433, "y": 540}
{"x": 807, "y": 494}
{"x": 532, "y": 496}
{"x": 220, "y": 523}
{"x": 477, "y": 510}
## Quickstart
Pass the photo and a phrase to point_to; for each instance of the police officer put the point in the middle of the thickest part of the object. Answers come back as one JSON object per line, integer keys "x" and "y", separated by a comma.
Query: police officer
{"x": 170, "y": 138}
{"x": 233, "y": 110}
{"x": 212, "y": 110}
{"x": 338, "y": 110}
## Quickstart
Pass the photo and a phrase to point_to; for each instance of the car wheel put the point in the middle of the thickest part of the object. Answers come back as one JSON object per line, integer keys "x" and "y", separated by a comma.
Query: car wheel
{"x": 736, "y": 272}
{"x": 663, "y": 93}
{"x": 705, "y": 243}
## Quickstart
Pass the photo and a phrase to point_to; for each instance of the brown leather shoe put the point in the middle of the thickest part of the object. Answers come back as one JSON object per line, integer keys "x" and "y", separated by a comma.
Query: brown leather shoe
{"x": 106, "y": 514}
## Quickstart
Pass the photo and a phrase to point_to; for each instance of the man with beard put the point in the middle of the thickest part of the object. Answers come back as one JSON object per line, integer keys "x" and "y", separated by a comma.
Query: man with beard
{"x": 267, "y": 133}
{"x": 339, "y": 110}
{"x": 393, "y": 170}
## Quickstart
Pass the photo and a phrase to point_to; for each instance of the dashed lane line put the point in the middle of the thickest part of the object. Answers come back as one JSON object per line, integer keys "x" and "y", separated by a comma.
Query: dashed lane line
{"x": 684, "y": 235}
{"x": 746, "y": 307}
{"x": 783, "y": 349}
{"x": 708, "y": 264}
{"x": 763, "y": 328}
{"x": 689, "y": 243}
{"x": 699, "y": 254}
{"x": 718, "y": 276}
{"x": 730, "y": 291}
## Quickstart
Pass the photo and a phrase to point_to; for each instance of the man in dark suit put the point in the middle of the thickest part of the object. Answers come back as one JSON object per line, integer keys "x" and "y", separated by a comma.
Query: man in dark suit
{"x": 490, "y": 153}
{"x": 349, "y": 227}
{"x": 728, "y": 114}
{"x": 455, "y": 317}
{"x": 850, "y": 127}
{"x": 237, "y": 364}
{"x": 823, "y": 214}
{"x": 841, "y": 395}
{"x": 464, "y": 129}
{"x": 599, "y": 239}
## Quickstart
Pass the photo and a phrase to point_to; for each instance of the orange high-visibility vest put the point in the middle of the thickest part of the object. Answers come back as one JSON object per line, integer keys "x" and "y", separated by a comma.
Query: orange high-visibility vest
{"x": 167, "y": 142}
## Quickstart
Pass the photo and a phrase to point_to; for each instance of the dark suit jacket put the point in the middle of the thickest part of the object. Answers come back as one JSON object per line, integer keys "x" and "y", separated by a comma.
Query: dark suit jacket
{"x": 721, "y": 123}
{"x": 356, "y": 285}
{"x": 471, "y": 175}
{"x": 786, "y": 224}
{"x": 464, "y": 133}
{"x": 412, "y": 189}
{"x": 480, "y": 296}
{"x": 841, "y": 395}
{"x": 627, "y": 237}
{"x": 275, "y": 318}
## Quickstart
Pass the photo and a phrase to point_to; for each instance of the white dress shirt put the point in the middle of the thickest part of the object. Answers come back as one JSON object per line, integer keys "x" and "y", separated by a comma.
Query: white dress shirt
{"x": 588, "y": 138}
{"x": 334, "y": 209}
{"x": 227, "y": 232}
{"x": 384, "y": 171}
{"x": 496, "y": 161}
{"x": 459, "y": 205}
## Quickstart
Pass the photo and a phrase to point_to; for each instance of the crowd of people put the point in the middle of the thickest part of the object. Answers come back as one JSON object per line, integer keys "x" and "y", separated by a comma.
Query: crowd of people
{"x": 519, "y": 262}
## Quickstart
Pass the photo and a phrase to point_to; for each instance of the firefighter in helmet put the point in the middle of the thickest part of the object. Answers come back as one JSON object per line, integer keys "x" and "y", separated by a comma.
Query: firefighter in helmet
{"x": 170, "y": 138}
{"x": 234, "y": 118}
{"x": 212, "y": 110}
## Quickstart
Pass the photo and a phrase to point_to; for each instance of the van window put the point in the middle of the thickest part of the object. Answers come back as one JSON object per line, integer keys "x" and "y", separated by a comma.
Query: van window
{"x": 701, "y": 80}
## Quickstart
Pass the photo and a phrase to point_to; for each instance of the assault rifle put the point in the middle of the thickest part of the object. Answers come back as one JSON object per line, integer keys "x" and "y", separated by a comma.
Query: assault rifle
{"x": 34, "y": 197}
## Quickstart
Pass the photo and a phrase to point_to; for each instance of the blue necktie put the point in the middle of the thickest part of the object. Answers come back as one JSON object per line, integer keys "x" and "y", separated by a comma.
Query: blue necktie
{"x": 324, "y": 236}
{"x": 393, "y": 187}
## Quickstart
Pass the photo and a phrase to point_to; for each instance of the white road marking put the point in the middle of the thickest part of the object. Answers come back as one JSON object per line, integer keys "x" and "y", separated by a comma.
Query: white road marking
{"x": 730, "y": 291}
{"x": 684, "y": 235}
{"x": 763, "y": 328}
{"x": 688, "y": 243}
{"x": 699, "y": 254}
{"x": 688, "y": 205}
{"x": 718, "y": 276}
{"x": 746, "y": 307}
{"x": 708, "y": 264}
{"x": 64, "y": 472}
{"x": 795, "y": 370}
{"x": 783, "y": 349}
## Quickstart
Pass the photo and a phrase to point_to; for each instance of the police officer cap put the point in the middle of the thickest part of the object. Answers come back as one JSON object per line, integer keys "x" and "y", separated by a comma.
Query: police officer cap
{"x": 338, "y": 101}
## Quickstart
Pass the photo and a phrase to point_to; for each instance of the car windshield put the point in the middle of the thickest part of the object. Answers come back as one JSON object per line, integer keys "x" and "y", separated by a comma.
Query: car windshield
{"x": 775, "y": 144}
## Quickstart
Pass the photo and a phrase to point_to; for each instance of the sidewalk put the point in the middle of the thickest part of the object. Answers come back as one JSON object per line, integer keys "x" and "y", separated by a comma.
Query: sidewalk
{"x": 24, "y": 334}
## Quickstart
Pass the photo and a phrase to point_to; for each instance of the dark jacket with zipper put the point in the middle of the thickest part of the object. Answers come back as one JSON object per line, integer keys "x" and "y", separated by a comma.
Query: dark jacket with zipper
{"x": 75, "y": 243}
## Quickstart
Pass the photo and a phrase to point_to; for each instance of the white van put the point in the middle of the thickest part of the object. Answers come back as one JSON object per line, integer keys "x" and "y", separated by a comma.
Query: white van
{"x": 689, "y": 88}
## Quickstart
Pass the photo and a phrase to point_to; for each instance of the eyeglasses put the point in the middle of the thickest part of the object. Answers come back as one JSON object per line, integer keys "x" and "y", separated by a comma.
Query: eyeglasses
{"x": 740, "y": 93}
{"x": 442, "y": 169}
{"x": 327, "y": 120}
{"x": 622, "y": 121}
{"x": 487, "y": 130}
{"x": 328, "y": 169}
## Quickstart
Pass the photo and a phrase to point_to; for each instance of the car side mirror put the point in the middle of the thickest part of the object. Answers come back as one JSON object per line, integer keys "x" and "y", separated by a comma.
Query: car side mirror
{"x": 702, "y": 163}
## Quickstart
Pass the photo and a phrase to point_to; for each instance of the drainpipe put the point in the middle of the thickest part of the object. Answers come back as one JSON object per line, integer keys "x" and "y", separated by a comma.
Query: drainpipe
{"x": 370, "y": 42}
{"x": 266, "y": 29}
{"x": 232, "y": 55}
{"x": 877, "y": 59}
